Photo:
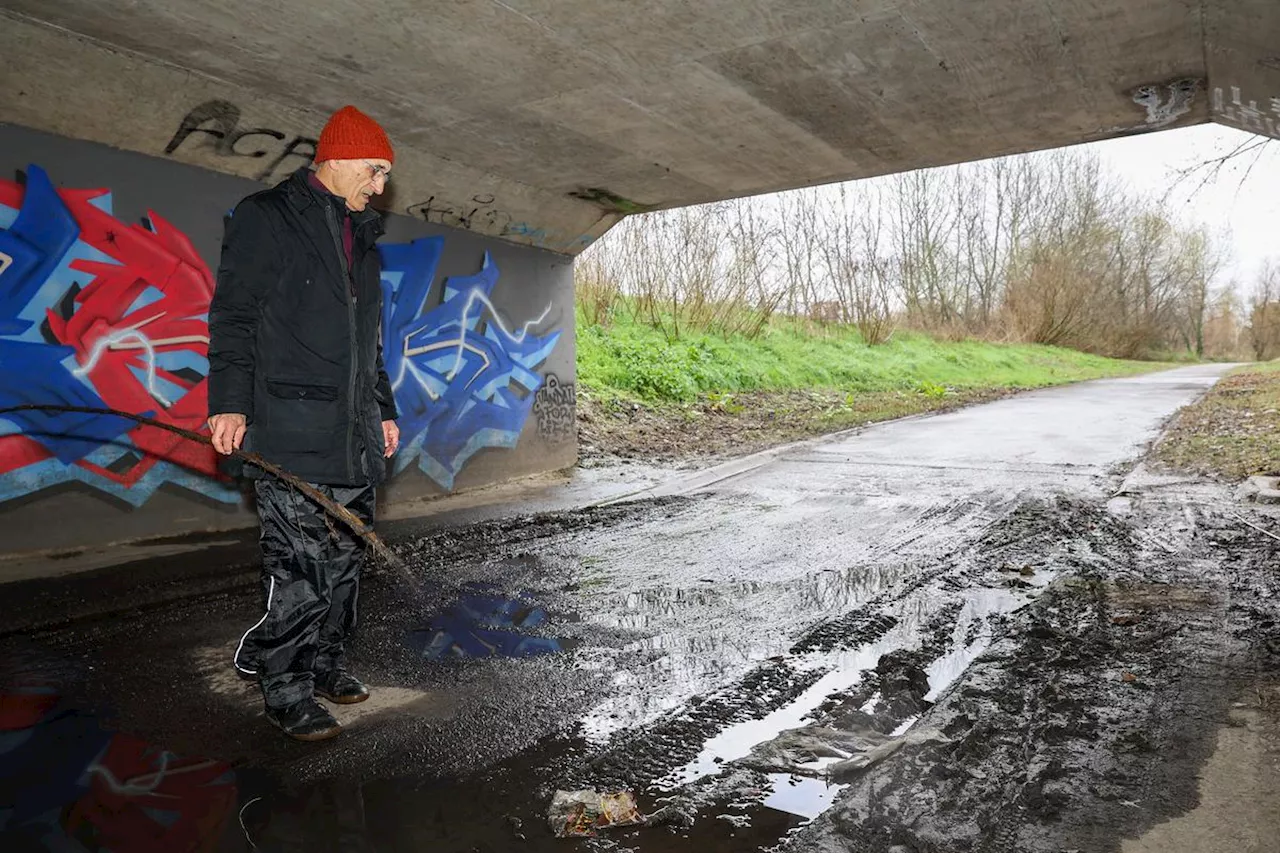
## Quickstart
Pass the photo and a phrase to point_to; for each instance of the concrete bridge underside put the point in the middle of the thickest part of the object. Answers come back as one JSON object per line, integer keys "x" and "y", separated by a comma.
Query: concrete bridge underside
{"x": 544, "y": 121}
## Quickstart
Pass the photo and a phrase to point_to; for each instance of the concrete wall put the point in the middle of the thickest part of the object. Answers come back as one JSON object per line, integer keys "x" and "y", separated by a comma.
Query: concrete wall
{"x": 106, "y": 269}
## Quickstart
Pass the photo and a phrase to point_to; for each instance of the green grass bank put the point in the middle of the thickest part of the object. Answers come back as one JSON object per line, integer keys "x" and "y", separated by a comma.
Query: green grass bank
{"x": 634, "y": 361}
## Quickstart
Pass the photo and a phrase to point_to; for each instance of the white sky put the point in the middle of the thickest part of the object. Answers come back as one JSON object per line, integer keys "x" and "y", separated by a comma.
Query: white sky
{"x": 1240, "y": 204}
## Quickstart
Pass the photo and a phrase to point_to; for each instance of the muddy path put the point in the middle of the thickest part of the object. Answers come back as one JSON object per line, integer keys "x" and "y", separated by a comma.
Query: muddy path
{"x": 1055, "y": 684}
{"x": 997, "y": 642}
{"x": 1089, "y": 719}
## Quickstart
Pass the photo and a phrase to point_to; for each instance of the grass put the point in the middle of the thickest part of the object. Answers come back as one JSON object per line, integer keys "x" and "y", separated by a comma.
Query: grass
{"x": 1231, "y": 433}
{"x": 634, "y": 361}
{"x": 703, "y": 396}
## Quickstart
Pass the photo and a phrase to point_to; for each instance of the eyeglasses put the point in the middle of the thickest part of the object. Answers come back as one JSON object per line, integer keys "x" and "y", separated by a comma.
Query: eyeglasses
{"x": 379, "y": 172}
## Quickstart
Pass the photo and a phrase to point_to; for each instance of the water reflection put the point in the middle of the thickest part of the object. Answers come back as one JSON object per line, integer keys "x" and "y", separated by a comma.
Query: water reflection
{"x": 699, "y": 637}
{"x": 484, "y": 622}
{"x": 69, "y": 783}
{"x": 843, "y": 669}
{"x": 802, "y": 796}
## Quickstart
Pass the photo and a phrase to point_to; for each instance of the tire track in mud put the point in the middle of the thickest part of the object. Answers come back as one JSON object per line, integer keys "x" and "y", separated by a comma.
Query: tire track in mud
{"x": 895, "y": 682}
{"x": 1086, "y": 721}
{"x": 641, "y": 756}
{"x": 907, "y": 639}
{"x": 1028, "y": 694}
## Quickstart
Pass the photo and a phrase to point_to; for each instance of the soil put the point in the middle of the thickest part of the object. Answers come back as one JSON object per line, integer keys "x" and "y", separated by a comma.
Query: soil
{"x": 1232, "y": 432}
{"x": 710, "y": 430}
{"x": 1091, "y": 716}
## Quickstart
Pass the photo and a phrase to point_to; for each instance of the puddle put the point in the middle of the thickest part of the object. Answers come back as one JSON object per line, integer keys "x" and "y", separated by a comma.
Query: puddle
{"x": 801, "y": 796}
{"x": 966, "y": 617}
{"x": 698, "y": 638}
{"x": 736, "y": 741}
{"x": 484, "y": 623}
{"x": 69, "y": 782}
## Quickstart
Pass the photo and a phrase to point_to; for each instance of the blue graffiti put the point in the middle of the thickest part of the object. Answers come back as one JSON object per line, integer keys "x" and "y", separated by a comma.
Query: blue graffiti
{"x": 34, "y": 250}
{"x": 463, "y": 380}
{"x": 486, "y": 624}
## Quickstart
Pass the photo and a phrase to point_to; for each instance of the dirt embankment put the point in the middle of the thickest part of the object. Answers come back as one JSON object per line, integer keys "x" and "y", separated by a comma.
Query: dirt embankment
{"x": 737, "y": 424}
{"x": 1232, "y": 432}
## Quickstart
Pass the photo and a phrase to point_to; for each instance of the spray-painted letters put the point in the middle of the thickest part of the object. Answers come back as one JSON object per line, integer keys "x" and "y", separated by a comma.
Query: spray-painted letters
{"x": 217, "y": 124}
{"x": 1237, "y": 109}
{"x": 101, "y": 314}
{"x": 464, "y": 379}
{"x": 98, "y": 313}
{"x": 555, "y": 406}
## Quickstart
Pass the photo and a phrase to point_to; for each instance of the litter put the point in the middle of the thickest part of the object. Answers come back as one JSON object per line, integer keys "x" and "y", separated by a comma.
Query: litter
{"x": 580, "y": 814}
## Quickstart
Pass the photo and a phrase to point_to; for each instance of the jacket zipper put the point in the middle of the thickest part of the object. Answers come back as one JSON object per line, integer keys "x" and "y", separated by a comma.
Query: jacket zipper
{"x": 348, "y": 286}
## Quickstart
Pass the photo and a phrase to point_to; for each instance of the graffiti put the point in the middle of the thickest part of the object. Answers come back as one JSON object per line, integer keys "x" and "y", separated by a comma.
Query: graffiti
{"x": 97, "y": 313}
{"x": 1246, "y": 113}
{"x": 69, "y": 784}
{"x": 485, "y": 623}
{"x": 463, "y": 380}
{"x": 536, "y": 236}
{"x": 555, "y": 406}
{"x": 478, "y": 214}
{"x": 217, "y": 123}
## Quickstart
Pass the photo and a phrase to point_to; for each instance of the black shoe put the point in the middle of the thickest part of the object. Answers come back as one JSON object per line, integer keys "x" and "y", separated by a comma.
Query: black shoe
{"x": 306, "y": 720}
{"x": 340, "y": 687}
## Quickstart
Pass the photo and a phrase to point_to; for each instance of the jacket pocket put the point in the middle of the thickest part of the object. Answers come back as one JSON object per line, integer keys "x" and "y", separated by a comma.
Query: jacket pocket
{"x": 287, "y": 389}
{"x": 292, "y": 407}
{"x": 296, "y": 441}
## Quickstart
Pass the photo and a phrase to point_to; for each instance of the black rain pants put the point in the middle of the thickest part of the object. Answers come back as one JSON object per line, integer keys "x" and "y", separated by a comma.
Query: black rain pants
{"x": 311, "y": 582}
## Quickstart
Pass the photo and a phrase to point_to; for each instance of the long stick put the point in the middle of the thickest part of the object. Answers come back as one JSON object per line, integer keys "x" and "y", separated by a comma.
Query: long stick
{"x": 336, "y": 510}
{"x": 1256, "y": 527}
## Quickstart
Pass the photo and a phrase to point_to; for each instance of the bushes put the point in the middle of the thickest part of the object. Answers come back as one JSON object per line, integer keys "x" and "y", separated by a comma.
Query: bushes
{"x": 652, "y": 369}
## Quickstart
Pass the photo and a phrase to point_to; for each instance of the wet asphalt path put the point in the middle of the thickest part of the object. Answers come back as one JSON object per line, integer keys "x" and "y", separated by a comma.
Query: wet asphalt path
{"x": 649, "y": 643}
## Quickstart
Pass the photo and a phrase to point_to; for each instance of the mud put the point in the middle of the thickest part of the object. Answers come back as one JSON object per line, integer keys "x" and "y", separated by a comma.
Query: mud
{"x": 1053, "y": 684}
{"x": 1088, "y": 718}
{"x": 1014, "y": 647}
{"x": 726, "y": 426}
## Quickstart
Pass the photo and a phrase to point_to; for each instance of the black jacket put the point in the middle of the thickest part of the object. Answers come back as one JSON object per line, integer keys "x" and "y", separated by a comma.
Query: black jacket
{"x": 294, "y": 344}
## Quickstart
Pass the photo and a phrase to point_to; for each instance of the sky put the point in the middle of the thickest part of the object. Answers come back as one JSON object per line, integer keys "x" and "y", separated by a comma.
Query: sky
{"x": 1240, "y": 202}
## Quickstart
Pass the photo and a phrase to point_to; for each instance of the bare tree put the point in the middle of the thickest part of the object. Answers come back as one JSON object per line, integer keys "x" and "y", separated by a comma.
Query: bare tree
{"x": 1264, "y": 313}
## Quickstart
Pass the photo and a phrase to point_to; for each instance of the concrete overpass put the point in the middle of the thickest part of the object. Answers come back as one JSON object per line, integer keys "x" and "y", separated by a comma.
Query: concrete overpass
{"x": 544, "y": 121}
{"x": 525, "y": 129}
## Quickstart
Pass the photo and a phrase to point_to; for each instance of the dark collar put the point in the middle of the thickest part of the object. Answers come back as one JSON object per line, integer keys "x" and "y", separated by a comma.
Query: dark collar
{"x": 302, "y": 195}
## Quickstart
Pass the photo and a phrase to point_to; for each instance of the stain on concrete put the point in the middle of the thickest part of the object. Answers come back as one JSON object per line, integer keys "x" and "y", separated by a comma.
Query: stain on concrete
{"x": 1169, "y": 101}
{"x": 610, "y": 202}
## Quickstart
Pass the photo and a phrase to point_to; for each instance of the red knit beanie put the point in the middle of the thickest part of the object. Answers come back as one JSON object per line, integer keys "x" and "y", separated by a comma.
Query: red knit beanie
{"x": 352, "y": 135}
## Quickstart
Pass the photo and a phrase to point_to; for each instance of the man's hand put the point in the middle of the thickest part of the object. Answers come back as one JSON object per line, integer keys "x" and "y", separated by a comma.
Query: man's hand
{"x": 391, "y": 438}
{"x": 228, "y": 432}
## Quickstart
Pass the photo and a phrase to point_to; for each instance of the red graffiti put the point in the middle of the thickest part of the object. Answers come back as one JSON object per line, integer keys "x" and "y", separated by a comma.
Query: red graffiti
{"x": 148, "y": 800}
{"x": 119, "y": 347}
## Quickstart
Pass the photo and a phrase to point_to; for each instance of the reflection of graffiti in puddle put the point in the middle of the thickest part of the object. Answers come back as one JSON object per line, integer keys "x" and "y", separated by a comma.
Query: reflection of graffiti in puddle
{"x": 485, "y": 623}
{"x": 72, "y": 786}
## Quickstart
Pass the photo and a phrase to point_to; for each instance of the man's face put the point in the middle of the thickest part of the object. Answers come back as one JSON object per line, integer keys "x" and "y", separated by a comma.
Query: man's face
{"x": 357, "y": 181}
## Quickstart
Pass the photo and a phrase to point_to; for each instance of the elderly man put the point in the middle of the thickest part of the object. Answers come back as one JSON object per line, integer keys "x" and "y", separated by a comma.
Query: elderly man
{"x": 296, "y": 374}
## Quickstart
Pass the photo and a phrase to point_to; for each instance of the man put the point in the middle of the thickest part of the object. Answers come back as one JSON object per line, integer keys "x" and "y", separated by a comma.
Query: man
{"x": 296, "y": 374}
